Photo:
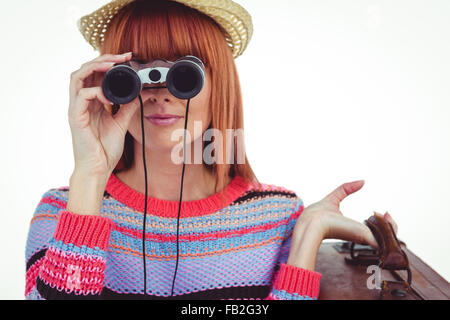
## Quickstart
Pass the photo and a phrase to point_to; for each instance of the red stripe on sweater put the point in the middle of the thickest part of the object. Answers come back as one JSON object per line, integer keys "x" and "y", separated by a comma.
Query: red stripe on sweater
{"x": 73, "y": 272}
{"x": 89, "y": 230}
{"x": 296, "y": 280}
{"x": 206, "y": 236}
{"x": 31, "y": 276}
{"x": 54, "y": 202}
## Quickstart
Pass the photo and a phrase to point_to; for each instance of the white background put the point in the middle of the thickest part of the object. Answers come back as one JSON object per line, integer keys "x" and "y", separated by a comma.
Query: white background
{"x": 334, "y": 91}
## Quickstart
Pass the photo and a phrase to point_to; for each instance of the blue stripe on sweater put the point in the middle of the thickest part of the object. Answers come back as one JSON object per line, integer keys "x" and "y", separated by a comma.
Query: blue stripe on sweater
{"x": 165, "y": 248}
{"x": 71, "y": 248}
{"x": 231, "y": 214}
{"x": 284, "y": 295}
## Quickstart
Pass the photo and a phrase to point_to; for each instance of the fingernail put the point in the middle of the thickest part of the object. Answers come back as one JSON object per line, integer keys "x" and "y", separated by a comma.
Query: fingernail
{"x": 123, "y": 55}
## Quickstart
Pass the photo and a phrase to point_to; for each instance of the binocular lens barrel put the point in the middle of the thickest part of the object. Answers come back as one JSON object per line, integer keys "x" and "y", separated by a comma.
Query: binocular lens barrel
{"x": 121, "y": 85}
{"x": 185, "y": 79}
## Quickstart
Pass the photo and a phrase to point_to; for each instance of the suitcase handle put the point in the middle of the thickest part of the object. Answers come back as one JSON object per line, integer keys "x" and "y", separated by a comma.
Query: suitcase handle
{"x": 390, "y": 255}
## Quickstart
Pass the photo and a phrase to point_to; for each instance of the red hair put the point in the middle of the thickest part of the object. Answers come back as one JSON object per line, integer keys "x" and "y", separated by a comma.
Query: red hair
{"x": 170, "y": 30}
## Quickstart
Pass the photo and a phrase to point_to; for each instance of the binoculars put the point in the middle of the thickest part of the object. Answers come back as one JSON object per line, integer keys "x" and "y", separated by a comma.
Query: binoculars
{"x": 184, "y": 78}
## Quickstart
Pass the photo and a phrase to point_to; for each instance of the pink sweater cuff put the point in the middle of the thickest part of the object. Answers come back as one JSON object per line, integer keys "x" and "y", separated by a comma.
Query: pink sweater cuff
{"x": 87, "y": 230}
{"x": 296, "y": 280}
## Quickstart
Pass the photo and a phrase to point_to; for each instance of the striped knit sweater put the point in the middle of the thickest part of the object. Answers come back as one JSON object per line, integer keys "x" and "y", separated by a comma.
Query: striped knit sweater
{"x": 236, "y": 251}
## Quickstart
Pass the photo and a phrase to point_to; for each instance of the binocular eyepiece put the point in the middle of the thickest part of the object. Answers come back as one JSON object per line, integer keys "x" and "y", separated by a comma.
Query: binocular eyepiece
{"x": 184, "y": 78}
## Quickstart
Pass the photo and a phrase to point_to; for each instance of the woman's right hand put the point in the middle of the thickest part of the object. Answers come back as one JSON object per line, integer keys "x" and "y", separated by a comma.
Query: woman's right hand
{"x": 97, "y": 136}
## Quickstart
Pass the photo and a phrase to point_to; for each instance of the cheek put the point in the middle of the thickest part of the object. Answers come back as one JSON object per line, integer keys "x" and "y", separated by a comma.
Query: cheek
{"x": 199, "y": 115}
{"x": 135, "y": 127}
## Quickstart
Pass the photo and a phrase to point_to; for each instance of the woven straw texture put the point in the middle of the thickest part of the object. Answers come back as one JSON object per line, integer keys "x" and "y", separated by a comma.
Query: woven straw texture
{"x": 235, "y": 21}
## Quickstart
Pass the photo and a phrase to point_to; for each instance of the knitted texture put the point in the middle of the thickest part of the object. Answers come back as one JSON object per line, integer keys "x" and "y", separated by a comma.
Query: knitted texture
{"x": 236, "y": 249}
{"x": 234, "y": 21}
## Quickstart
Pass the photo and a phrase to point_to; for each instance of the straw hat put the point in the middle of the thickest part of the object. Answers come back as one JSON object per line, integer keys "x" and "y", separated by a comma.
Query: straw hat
{"x": 235, "y": 21}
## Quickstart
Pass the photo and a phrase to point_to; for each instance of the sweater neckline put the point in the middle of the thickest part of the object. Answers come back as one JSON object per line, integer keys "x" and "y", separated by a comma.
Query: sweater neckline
{"x": 169, "y": 208}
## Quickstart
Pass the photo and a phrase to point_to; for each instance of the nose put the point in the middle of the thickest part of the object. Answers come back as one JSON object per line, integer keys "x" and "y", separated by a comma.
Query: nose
{"x": 156, "y": 94}
{"x": 156, "y": 100}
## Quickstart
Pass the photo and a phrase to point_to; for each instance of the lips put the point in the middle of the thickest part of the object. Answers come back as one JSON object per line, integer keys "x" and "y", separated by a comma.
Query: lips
{"x": 163, "y": 119}
{"x": 162, "y": 116}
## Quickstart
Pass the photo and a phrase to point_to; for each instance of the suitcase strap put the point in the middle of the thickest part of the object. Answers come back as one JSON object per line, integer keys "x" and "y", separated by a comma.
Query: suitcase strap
{"x": 389, "y": 255}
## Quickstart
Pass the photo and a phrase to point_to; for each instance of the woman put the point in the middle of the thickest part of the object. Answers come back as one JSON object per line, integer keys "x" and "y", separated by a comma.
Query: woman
{"x": 238, "y": 238}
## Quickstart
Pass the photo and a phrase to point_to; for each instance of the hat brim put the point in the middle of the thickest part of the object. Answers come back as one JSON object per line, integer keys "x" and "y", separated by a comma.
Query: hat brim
{"x": 235, "y": 22}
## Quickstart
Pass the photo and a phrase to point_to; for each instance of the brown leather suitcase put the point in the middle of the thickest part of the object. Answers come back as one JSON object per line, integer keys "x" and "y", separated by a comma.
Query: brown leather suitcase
{"x": 359, "y": 272}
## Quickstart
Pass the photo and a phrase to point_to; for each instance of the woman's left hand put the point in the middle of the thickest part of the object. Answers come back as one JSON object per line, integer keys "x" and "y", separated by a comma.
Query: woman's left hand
{"x": 324, "y": 220}
{"x": 330, "y": 223}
